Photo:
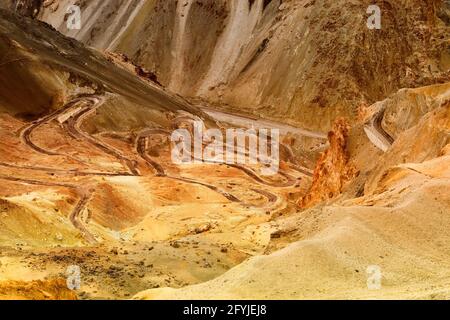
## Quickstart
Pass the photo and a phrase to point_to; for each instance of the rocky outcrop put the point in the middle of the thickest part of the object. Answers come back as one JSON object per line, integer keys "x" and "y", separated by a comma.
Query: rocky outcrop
{"x": 124, "y": 61}
{"x": 333, "y": 169}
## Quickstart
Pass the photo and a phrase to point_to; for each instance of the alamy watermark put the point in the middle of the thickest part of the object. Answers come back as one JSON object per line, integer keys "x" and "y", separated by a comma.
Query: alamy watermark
{"x": 374, "y": 277}
{"x": 374, "y": 20}
{"x": 234, "y": 146}
{"x": 73, "y": 21}
{"x": 73, "y": 280}
{"x": 74, "y": 17}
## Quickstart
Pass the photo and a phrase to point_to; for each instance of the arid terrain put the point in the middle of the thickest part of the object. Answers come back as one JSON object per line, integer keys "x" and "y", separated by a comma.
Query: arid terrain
{"x": 89, "y": 183}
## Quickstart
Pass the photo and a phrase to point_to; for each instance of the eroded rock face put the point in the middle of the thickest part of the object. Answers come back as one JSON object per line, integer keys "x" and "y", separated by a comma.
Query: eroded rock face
{"x": 405, "y": 109}
{"x": 333, "y": 170}
{"x": 302, "y": 61}
{"x": 427, "y": 140}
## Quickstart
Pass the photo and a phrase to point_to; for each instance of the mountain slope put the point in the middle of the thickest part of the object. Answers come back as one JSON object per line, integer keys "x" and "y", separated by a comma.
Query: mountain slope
{"x": 305, "y": 62}
{"x": 399, "y": 225}
{"x": 86, "y": 147}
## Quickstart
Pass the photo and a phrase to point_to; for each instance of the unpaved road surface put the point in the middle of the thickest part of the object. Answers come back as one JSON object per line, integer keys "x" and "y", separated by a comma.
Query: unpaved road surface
{"x": 376, "y": 134}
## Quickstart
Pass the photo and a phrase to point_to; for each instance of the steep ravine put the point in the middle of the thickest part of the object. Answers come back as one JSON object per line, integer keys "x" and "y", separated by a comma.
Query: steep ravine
{"x": 304, "y": 62}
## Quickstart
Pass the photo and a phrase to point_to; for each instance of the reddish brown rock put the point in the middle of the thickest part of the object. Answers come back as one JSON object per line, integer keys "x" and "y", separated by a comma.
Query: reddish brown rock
{"x": 333, "y": 170}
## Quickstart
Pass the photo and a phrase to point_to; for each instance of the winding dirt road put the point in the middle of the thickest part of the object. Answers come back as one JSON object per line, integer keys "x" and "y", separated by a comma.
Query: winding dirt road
{"x": 141, "y": 148}
{"x": 375, "y": 132}
{"x": 142, "y": 139}
{"x": 73, "y": 122}
{"x": 27, "y": 132}
{"x": 255, "y": 123}
{"x": 73, "y": 125}
{"x": 142, "y": 145}
{"x": 80, "y": 206}
{"x": 72, "y": 115}
{"x": 76, "y": 212}
{"x": 76, "y": 116}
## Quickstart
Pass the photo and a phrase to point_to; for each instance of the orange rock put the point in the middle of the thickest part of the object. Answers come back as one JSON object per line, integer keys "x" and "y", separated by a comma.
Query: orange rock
{"x": 332, "y": 170}
{"x": 55, "y": 289}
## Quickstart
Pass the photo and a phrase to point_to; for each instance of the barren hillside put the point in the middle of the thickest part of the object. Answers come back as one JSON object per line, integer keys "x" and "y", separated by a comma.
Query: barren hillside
{"x": 91, "y": 119}
{"x": 301, "y": 61}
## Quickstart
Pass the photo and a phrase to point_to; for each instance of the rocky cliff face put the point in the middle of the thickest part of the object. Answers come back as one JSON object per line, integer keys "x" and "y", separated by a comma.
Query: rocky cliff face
{"x": 302, "y": 61}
